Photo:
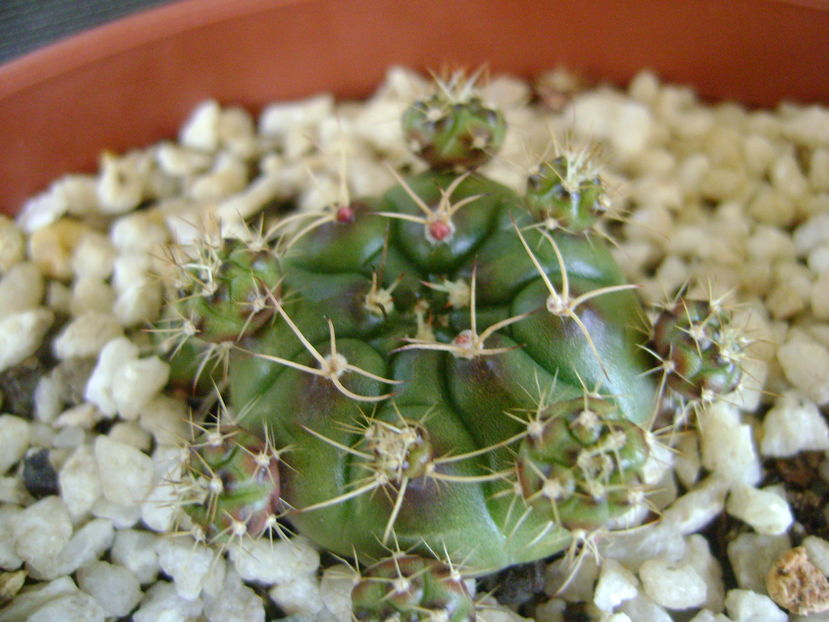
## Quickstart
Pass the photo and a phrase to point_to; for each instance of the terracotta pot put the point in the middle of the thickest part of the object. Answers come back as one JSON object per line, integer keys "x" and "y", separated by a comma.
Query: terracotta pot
{"x": 133, "y": 82}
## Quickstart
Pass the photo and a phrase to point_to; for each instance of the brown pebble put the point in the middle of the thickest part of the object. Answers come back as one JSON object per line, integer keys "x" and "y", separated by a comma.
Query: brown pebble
{"x": 794, "y": 583}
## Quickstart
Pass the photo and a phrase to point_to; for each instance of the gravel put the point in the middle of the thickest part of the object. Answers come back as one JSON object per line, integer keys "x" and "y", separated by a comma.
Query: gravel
{"x": 733, "y": 202}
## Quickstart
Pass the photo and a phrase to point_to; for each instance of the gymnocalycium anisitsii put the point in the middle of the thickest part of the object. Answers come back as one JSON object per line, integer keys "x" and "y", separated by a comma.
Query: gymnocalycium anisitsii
{"x": 438, "y": 382}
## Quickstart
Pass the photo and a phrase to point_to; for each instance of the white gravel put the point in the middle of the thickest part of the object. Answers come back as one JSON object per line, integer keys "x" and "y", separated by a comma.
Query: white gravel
{"x": 728, "y": 199}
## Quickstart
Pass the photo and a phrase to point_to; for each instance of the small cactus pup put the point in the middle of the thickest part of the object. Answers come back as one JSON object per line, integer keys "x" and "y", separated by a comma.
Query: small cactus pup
{"x": 451, "y": 367}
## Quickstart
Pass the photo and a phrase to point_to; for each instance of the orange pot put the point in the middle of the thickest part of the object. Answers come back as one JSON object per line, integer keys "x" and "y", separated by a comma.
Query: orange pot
{"x": 133, "y": 82}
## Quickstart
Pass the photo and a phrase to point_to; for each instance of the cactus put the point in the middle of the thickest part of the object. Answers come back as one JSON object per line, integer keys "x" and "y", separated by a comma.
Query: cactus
{"x": 450, "y": 367}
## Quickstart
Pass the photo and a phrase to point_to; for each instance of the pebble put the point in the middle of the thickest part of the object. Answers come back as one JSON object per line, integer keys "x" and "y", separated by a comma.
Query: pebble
{"x": 674, "y": 586}
{"x": 78, "y": 607}
{"x": 201, "y": 130}
{"x": 615, "y": 585}
{"x": 12, "y": 244}
{"x": 273, "y": 563}
{"x": 86, "y": 545}
{"x": 51, "y": 248}
{"x": 727, "y": 445}
{"x": 39, "y": 475}
{"x": 114, "y": 587}
{"x": 793, "y": 425}
{"x": 9, "y": 516}
{"x": 15, "y": 435}
{"x": 86, "y": 335}
{"x": 135, "y": 382}
{"x": 126, "y": 473}
{"x": 135, "y": 550}
{"x": 234, "y": 602}
{"x": 751, "y": 555}
{"x": 818, "y": 551}
{"x": 793, "y": 582}
{"x": 748, "y": 606}
{"x": 80, "y": 482}
{"x": 21, "y": 288}
{"x": 643, "y": 608}
{"x": 767, "y": 512}
{"x": 162, "y": 603}
{"x": 298, "y": 596}
{"x": 41, "y": 532}
{"x": 193, "y": 567}
{"x": 806, "y": 365}
{"x": 21, "y": 335}
{"x": 100, "y": 387}
{"x": 93, "y": 257}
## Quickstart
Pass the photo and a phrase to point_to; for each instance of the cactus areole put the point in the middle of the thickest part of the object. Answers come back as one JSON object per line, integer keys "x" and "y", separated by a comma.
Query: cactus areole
{"x": 451, "y": 370}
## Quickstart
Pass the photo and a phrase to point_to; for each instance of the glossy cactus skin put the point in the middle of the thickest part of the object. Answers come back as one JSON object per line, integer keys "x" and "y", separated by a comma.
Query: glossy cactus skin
{"x": 450, "y": 369}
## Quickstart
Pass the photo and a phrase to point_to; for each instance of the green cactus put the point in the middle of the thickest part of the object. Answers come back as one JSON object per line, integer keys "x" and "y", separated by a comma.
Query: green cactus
{"x": 449, "y": 367}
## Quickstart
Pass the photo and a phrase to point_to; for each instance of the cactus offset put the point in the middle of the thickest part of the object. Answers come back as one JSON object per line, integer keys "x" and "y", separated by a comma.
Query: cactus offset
{"x": 450, "y": 367}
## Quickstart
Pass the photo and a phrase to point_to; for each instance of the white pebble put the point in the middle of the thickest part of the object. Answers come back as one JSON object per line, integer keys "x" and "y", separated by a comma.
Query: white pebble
{"x": 643, "y": 608}
{"x": 159, "y": 510}
{"x": 280, "y": 562}
{"x": 114, "y": 587}
{"x": 12, "y": 244}
{"x": 78, "y": 607}
{"x": 166, "y": 419}
{"x": 793, "y": 425}
{"x": 752, "y": 554}
{"x": 122, "y": 516}
{"x": 179, "y": 161}
{"x": 21, "y": 289}
{"x": 86, "y": 335}
{"x": 201, "y": 130}
{"x": 748, "y": 606}
{"x": 766, "y": 512}
{"x": 335, "y": 591}
{"x": 21, "y": 335}
{"x": 15, "y": 435}
{"x": 709, "y": 616}
{"x": 727, "y": 445}
{"x": 674, "y": 586}
{"x": 605, "y": 115}
{"x": 126, "y": 473}
{"x": 80, "y": 484}
{"x": 131, "y": 433}
{"x": 121, "y": 182}
{"x": 698, "y": 507}
{"x": 806, "y": 366}
{"x": 300, "y": 596}
{"x": 99, "y": 387}
{"x": 698, "y": 555}
{"x": 9, "y": 516}
{"x": 86, "y": 545}
{"x": 33, "y": 597}
{"x": 135, "y": 550}
{"x": 818, "y": 551}
{"x": 138, "y": 232}
{"x": 234, "y": 602}
{"x": 136, "y": 382}
{"x": 91, "y": 294}
{"x": 41, "y": 531}
{"x": 615, "y": 585}
{"x": 191, "y": 566}
{"x": 93, "y": 257}
{"x": 280, "y": 118}
{"x": 812, "y": 233}
{"x": 632, "y": 548}
{"x": 162, "y": 603}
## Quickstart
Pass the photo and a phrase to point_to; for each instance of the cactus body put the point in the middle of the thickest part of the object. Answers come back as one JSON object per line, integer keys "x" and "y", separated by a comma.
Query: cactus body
{"x": 449, "y": 369}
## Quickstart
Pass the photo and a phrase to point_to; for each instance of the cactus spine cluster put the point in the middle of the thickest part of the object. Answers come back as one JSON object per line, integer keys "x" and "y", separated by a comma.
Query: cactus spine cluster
{"x": 451, "y": 369}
